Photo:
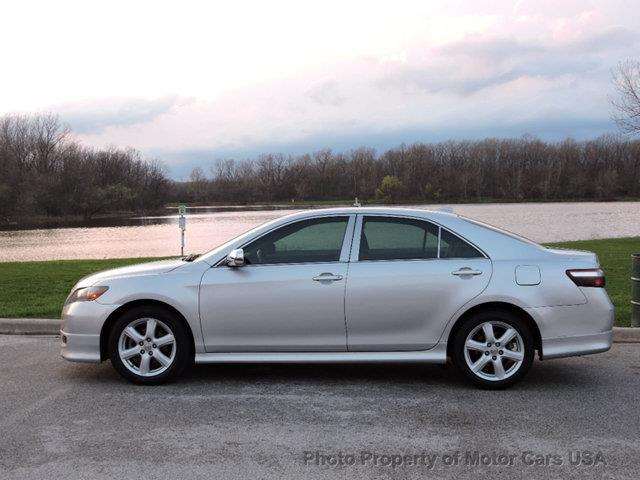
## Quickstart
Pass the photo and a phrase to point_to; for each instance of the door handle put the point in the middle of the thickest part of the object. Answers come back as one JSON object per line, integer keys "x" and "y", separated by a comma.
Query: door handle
{"x": 466, "y": 271}
{"x": 327, "y": 277}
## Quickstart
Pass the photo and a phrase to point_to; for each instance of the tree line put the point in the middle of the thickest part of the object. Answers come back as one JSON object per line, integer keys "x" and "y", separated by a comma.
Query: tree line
{"x": 45, "y": 173}
{"x": 523, "y": 169}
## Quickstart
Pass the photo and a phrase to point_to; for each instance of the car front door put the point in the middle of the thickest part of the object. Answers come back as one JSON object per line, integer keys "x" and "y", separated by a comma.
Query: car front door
{"x": 289, "y": 296}
{"x": 407, "y": 277}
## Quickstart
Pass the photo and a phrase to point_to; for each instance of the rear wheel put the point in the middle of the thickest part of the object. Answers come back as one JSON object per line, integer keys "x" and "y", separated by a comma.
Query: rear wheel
{"x": 494, "y": 349}
{"x": 149, "y": 345}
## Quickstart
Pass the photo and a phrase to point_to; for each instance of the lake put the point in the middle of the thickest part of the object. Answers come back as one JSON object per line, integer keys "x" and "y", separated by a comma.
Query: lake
{"x": 160, "y": 236}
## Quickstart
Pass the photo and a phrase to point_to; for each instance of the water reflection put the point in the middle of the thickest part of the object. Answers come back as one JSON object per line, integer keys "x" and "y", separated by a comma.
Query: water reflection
{"x": 159, "y": 235}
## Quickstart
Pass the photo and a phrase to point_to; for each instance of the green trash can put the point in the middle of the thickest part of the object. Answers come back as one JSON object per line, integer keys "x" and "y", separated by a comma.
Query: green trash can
{"x": 635, "y": 289}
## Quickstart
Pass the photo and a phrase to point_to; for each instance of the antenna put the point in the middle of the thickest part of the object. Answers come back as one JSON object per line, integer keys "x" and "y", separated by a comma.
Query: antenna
{"x": 356, "y": 203}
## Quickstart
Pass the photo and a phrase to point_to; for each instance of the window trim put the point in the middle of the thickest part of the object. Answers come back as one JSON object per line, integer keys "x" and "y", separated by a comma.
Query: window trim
{"x": 344, "y": 250}
{"x": 355, "y": 244}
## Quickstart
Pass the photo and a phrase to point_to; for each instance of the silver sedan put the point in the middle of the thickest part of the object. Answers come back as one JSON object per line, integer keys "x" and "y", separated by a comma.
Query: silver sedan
{"x": 347, "y": 285}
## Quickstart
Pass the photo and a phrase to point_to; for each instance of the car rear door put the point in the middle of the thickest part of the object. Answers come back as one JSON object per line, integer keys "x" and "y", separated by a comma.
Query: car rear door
{"x": 407, "y": 277}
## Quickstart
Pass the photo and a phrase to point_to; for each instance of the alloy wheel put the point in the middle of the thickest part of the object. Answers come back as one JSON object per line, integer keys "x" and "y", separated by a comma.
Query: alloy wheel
{"x": 147, "y": 347}
{"x": 494, "y": 350}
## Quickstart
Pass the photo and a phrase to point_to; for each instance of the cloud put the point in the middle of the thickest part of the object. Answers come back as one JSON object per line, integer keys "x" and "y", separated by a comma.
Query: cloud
{"x": 327, "y": 93}
{"x": 502, "y": 72}
{"x": 479, "y": 62}
{"x": 93, "y": 117}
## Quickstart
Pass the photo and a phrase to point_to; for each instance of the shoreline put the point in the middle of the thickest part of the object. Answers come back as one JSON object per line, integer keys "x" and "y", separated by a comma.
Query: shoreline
{"x": 170, "y": 210}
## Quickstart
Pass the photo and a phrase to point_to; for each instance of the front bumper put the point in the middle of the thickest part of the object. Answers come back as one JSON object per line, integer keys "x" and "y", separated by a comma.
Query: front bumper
{"x": 80, "y": 331}
{"x": 79, "y": 347}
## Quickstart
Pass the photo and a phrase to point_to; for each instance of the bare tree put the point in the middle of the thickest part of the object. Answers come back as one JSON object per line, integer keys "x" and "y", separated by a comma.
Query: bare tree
{"x": 626, "y": 78}
{"x": 44, "y": 173}
{"x": 198, "y": 185}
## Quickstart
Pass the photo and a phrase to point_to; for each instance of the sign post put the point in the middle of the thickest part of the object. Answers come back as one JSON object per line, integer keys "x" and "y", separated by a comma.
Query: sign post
{"x": 182, "y": 223}
{"x": 635, "y": 289}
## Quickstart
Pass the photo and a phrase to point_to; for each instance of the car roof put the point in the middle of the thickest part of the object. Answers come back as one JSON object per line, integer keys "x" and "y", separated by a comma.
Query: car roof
{"x": 382, "y": 210}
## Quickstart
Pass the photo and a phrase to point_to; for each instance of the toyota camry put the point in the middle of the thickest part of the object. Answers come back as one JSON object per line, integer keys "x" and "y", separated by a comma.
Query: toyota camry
{"x": 356, "y": 285}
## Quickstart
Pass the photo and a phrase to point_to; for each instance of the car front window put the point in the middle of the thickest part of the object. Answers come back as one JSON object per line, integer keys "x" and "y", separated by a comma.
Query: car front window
{"x": 314, "y": 240}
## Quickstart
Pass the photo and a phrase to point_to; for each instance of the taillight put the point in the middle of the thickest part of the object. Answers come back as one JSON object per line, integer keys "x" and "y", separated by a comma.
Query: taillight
{"x": 587, "y": 277}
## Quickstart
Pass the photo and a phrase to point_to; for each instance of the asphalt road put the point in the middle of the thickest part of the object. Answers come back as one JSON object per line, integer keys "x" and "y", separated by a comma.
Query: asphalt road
{"x": 63, "y": 420}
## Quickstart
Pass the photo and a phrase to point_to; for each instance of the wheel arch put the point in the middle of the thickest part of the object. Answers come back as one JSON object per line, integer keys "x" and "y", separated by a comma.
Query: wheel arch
{"x": 122, "y": 309}
{"x": 492, "y": 306}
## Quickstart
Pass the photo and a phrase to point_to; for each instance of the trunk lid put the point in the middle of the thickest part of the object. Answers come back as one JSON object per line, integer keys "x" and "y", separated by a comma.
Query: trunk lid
{"x": 590, "y": 259}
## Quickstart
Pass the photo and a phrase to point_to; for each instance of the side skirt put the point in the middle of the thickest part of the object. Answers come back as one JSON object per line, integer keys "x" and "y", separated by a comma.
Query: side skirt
{"x": 437, "y": 354}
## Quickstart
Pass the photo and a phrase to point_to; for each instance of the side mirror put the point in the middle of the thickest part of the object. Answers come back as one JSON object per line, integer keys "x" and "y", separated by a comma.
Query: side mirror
{"x": 235, "y": 258}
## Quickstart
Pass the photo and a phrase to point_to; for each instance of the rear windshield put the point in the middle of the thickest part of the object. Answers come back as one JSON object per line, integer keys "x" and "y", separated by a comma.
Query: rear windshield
{"x": 515, "y": 236}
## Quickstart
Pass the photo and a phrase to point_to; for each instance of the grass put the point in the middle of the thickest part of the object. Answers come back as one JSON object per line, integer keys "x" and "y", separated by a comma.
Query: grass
{"x": 38, "y": 289}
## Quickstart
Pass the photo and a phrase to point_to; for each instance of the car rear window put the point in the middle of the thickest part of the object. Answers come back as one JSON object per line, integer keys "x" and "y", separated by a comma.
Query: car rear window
{"x": 388, "y": 238}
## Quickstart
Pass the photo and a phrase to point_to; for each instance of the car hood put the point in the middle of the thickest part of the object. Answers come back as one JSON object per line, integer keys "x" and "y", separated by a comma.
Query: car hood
{"x": 148, "y": 268}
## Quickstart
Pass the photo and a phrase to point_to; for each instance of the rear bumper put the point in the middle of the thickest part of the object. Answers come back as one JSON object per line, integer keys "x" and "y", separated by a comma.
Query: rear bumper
{"x": 578, "y": 345}
{"x": 576, "y": 329}
{"x": 78, "y": 347}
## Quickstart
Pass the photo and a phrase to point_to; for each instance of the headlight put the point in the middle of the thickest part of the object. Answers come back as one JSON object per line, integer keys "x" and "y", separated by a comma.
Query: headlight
{"x": 86, "y": 294}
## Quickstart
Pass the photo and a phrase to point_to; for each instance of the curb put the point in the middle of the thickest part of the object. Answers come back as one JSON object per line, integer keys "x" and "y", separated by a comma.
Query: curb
{"x": 29, "y": 326}
{"x": 626, "y": 334}
{"x": 51, "y": 326}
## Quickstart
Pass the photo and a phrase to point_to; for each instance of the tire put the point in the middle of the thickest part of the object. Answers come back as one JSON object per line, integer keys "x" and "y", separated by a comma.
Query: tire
{"x": 504, "y": 365}
{"x": 167, "y": 359}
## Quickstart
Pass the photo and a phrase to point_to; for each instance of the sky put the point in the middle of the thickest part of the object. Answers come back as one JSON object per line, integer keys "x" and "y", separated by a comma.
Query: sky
{"x": 191, "y": 82}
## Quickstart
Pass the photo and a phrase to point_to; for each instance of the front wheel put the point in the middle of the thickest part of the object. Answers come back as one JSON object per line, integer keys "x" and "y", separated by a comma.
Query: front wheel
{"x": 493, "y": 349}
{"x": 149, "y": 345}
